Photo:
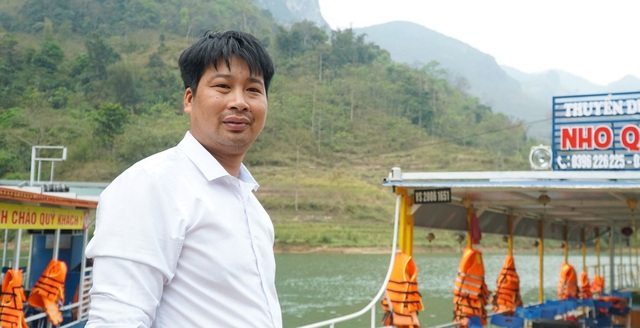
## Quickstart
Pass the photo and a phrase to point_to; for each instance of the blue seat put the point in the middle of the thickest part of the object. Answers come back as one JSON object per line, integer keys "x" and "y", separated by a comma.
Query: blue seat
{"x": 620, "y": 303}
{"x": 621, "y": 312}
{"x": 589, "y": 306}
{"x": 550, "y": 311}
{"x": 601, "y": 307}
{"x": 597, "y": 322}
{"x": 588, "y": 302}
{"x": 563, "y": 306}
{"x": 474, "y": 322}
{"x": 502, "y": 320}
{"x": 571, "y": 304}
{"x": 529, "y": 313}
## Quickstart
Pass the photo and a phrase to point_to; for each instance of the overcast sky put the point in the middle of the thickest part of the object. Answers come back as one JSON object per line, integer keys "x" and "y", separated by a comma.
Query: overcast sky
{"x": 594, "y": 39}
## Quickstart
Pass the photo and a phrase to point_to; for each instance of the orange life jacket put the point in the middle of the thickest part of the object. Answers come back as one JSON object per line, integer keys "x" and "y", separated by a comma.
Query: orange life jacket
{"x": 597, "y": 286}
{"x": 617, "y": 302}
{"x": 568, "y": 283}
{"x": 507, "y": 294}
{"x": 48, "y": 291}
{"x": 12, "y": 300}
{"x": 585, "y": 287}
{"x": 470, "y": 293}
{"x": 466, "y": 306}
{"x": 402, "y": 292}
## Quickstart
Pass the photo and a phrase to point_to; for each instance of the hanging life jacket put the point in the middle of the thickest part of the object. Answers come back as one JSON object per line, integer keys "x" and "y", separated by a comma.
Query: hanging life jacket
{"x": 470, "y": 293}
{"x": 597, "y": 286}
{"x": 12, "y": 300}
{"x": 48, "y": 291}
{"x": 585, "y": 286}
{"x": 402, "y": 292}
{"x": 507, "y": 294}
{"x": 617, "y": 302}
{"x": 568, "y": 283}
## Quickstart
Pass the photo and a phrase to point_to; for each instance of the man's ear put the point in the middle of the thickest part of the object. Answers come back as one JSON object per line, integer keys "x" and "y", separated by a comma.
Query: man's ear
{"x": 187, "y": 101}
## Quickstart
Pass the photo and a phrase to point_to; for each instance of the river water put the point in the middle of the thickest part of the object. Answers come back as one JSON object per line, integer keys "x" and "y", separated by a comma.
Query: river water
{"x": 318, "y": 286}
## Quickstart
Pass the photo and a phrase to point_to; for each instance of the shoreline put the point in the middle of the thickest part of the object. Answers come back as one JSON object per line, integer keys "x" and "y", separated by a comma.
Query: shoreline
{"x": 304, "y": 249}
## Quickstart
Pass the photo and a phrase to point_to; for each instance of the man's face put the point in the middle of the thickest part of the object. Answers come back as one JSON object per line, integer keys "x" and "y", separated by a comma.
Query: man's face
{"x": 229, "y": 109}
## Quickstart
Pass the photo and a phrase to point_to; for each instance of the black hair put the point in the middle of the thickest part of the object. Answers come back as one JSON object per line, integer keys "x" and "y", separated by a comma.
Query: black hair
{"x": 214, "y": 46}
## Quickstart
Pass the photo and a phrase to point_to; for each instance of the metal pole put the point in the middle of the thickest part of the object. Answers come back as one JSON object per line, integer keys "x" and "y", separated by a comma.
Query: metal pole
{"x": 33, "y": 166}
{"x": 565, "y": 236}
{"x": 467, "y": 204}
{"x": 612, "y": 264}
{"x": 16, "y": 253}
{"x": 373, "y": 317}
{"x": 510, "y": 231}
{"x": 53, "y": 164}
{"x": 39, "y": 170}
{"x": 56, "y": 245}
{"x": 544, "y": 200}
{"x": 4, "y": 250}
{"x": 583, "y": 249}
{"x": 597, "y": 241}
{"x": 541, "y": 260}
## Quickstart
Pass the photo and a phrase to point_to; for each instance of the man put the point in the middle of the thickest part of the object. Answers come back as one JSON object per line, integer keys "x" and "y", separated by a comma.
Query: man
{"x": 181, "y": 240}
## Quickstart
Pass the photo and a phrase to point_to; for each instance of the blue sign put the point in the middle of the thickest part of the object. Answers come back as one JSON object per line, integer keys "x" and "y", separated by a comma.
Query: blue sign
{"x": 596, "y": 132}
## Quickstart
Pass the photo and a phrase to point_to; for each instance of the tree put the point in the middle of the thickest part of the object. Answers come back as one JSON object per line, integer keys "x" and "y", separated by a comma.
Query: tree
{"x": 185, "y": 21}
{"x": 110, "y": 120}
{"x": 123, "y": 85}
{"x": 300, "y": 38}
{"x": 349, "y": 48}
{"x": 438, "y": 88}
{"x": 49, "y": 56}
{"x": 101, "y": 55}
{"x": 10, "y": 65}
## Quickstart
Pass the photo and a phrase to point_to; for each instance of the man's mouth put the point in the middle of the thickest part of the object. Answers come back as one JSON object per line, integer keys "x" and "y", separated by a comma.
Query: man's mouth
{"x": 236, "y": 123}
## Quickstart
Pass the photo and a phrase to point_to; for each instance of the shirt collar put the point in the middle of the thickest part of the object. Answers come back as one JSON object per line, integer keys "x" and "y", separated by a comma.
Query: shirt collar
{"x": 208, "y": 165}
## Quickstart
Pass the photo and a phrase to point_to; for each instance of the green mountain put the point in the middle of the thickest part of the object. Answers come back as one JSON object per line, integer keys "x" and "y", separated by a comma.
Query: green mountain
{"x": 100, "y": 77}
{"x": 476, "y": 72}
{"x": 522, "y": 96}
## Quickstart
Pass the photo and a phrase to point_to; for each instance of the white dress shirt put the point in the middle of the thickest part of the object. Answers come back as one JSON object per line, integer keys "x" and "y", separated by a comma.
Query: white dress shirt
{"x": 181, "y": 243}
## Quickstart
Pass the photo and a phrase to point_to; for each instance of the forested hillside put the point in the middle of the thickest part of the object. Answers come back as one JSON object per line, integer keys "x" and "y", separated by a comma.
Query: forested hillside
{"x": 101, "y": 78}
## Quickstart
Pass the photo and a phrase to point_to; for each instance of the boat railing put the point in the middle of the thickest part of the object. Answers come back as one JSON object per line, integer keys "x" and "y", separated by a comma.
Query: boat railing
{"x": 626, "y": 274}
{"x": 371, "y": 306}
{"x": 448, "y": 325}
{"x": 18, "y": 260}
{"x": 83, "y": 295}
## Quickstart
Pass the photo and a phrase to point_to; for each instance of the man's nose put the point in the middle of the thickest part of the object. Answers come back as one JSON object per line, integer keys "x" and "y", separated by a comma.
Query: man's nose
{"x": 238, "y": 100}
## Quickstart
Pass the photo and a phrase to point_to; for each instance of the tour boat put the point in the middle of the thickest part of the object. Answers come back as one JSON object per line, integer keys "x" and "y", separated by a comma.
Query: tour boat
{"x": 581, "y": 189}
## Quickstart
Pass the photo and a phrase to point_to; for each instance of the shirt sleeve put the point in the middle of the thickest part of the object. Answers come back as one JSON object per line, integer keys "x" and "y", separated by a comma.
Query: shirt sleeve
{"x": 136, "y": 245}
{"x": 124, "y": 294}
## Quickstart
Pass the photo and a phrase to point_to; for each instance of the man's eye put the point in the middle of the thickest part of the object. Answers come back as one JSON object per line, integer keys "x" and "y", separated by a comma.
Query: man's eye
{"x": 223, "y": 86}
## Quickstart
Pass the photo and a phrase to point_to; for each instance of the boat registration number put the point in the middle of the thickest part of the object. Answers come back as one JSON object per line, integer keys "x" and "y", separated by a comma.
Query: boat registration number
{"x": 426, "y": 196}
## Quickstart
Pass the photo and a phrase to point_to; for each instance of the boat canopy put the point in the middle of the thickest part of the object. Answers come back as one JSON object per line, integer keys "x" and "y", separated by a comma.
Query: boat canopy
{"x": 34, "y": 195}
{"x": 555, "y": 200}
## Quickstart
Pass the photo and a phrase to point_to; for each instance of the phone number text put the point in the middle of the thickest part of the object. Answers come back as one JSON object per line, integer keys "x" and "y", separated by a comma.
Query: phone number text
{"x": 597, "y": 162}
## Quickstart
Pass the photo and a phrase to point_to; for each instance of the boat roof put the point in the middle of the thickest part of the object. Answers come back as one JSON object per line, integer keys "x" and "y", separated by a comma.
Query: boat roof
{"x": 576, "y": 200}
{"x": 34, "y": 195}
